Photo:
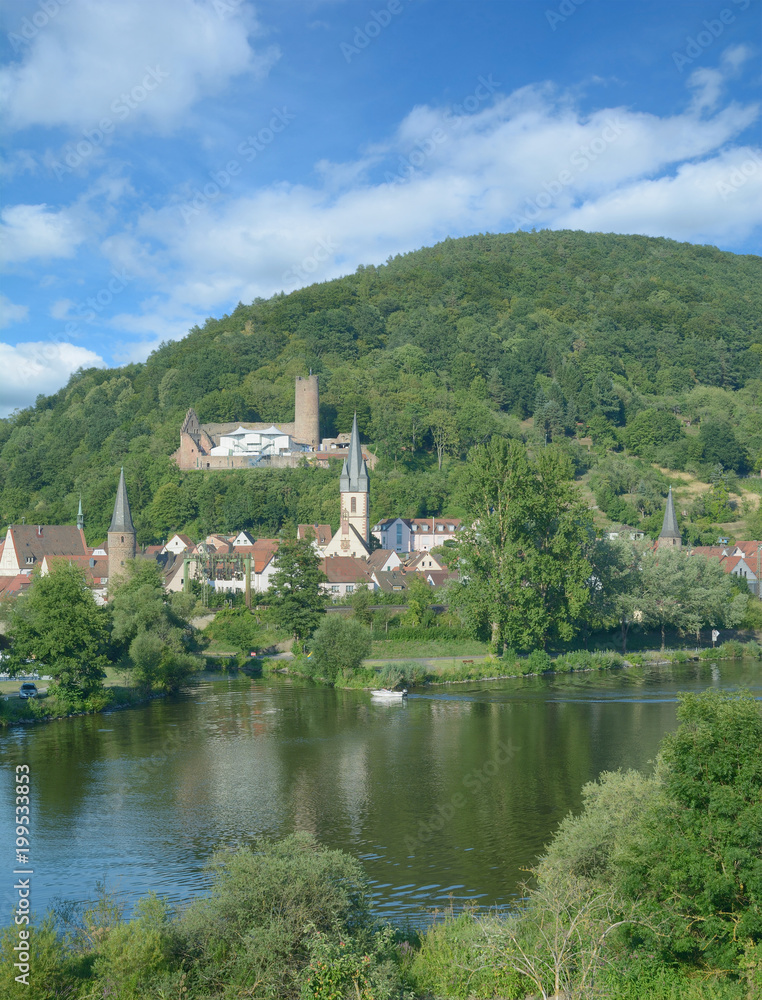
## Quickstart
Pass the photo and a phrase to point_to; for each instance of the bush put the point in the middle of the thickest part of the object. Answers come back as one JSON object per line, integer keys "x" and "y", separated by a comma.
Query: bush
{"x": 339, "y": 645}
{"x": 452, "y": 963}
{"x": 537, "y": 662}
{"x": 266, "y": 906}
{"x": 237, "y": 626}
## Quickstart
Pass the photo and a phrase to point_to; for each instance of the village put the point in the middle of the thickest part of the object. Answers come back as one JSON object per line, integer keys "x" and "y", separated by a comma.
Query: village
{"x": 386, "y": 556}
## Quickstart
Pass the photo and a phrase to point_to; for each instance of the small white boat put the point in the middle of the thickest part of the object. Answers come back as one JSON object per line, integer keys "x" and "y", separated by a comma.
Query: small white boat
{"x": 386, "y": 694}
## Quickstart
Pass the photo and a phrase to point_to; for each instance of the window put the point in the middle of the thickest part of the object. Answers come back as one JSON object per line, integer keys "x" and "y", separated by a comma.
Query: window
{"x": 334, "y": 589}
{"x": 350, "y": 588}
{"x": 440, "y": 527}
{"x": 353, "y": 505}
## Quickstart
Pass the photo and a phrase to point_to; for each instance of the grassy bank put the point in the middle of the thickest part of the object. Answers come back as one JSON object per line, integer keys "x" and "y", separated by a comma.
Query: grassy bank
{"x": 412, "y": 673}
{"x": 118, "y": 691}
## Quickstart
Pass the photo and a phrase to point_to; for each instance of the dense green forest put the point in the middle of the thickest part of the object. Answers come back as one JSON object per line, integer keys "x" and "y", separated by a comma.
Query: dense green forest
{"x": 625, "y": 350}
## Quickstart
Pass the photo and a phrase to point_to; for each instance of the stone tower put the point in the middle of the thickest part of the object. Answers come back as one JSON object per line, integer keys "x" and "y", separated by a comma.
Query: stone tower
{"x": 355, "y": 488}
{"x": 121, "y": 534}
{"x": 306, "y": 412}
{"x": 670, "y": 533}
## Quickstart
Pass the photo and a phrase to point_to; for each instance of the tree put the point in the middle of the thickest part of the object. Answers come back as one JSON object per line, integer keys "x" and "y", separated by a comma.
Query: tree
{"x": 296, "y": 600}
{"x": 650, "y": 429}
{"x": 674, "y": 590}
{"x": 151, "y": 628}
{"x": 693, "y": 858}
{"x": 720, "y": 446}
{"x": 59, "y": 625}
{"x": 523, "y": 560}
{"x": 443, "y": 428}
{"x": 612, "y": 583}
{"x": 361, "y": 601}
{"x": 339, "y": 645}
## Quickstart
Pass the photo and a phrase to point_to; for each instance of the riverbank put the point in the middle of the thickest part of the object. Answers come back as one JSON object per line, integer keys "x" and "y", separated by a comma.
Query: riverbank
{"x": 116, "y": 694}
{"x": 411, "y": 673}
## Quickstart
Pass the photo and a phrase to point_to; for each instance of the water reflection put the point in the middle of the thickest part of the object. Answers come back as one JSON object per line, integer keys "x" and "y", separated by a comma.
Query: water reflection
{"x": 449, "y": 796}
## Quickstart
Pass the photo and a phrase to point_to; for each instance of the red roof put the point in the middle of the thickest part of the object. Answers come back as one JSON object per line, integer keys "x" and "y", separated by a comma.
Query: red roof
{"x": 322, "y": 532}
{"x": 345, "y": 569}
{"x": 10, "y": 586}
{"x": 262, "y": 552}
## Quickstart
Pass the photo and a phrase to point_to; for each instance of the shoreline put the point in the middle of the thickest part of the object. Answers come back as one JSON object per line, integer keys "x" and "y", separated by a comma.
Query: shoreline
{"x": 430, "y": 681}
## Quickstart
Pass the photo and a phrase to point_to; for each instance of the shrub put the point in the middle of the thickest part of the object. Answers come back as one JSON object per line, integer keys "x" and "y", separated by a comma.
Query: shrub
{"x": 339, "y": 646}
{"x": 237, "y": 626}
{"x": 452, "y": 962}
{"x": 266, "y": 905}
{"x": 731, "y": 650}
{"x": 537, "y": 662}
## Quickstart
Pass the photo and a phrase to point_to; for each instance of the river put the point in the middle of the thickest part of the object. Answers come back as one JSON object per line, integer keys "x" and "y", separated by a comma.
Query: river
{"x": 445, "y": 799}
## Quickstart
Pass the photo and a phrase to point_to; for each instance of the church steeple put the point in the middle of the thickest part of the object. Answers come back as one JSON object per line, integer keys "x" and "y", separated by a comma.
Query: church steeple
{"x": 670, "y": 533}
{"x": 354, "y": 487}
{"x": 354, "y": 474}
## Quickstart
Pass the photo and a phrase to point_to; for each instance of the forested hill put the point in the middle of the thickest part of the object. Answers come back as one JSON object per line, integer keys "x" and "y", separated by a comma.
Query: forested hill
{"x": 631, "y": 340}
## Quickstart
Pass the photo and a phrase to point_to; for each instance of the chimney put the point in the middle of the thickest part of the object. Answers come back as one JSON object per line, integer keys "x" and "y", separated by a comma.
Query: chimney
{"x": 39, "y": 531}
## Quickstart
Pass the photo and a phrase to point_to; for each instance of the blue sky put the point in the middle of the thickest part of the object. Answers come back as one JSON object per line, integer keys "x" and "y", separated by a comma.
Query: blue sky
{"x": 165, "y": 161}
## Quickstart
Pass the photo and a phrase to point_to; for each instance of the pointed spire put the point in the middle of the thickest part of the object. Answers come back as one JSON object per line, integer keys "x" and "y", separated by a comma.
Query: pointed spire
{"x": 669, "y": 528}
{"x": 354, "y": 474}
{"x": 122, "y": 519}
{"x": 80, "y": 515}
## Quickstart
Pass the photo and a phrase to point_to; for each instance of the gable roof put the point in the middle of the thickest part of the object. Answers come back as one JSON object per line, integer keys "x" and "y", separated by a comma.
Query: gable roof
{"x": 439, "y": 577}
{"x": 749, "y": 548}
{"x": 95, "y": 567}
{"x": 379, "y": 558}
{"x": 262, "y": 552}
{"x": 35, "y": 541}
{"x": 13, "y": 585}
{"x": 345, "y": 569}
{"x": 322, "y": 532}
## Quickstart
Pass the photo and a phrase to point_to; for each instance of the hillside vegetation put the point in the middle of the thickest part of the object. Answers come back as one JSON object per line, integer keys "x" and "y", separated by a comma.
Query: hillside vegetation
{"x": 615, "y": 346}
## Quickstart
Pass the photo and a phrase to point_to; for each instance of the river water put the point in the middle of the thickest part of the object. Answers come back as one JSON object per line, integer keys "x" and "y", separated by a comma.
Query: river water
{"x": 444, "y": 799}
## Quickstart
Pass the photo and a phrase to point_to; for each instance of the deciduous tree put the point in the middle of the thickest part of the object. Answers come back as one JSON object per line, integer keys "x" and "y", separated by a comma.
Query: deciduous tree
{"x": 296, "y": 600}
{"x": 523, "y": 561}
{"x": 60, "y": 626}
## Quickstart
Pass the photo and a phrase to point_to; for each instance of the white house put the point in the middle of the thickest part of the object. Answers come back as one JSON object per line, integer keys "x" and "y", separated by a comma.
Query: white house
{"x": 177, "y": 544}
{"x": 344, "y": 574}
{"x": 428, "y": 532}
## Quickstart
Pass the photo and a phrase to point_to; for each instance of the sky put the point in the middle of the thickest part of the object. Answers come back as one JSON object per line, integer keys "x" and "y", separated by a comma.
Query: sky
{"x": 164, "y": 161}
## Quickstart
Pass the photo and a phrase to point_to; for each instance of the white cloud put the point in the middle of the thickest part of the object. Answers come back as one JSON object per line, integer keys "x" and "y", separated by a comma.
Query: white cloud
{"x": 136, "y": 60}
{"x": 528, "y": 159}
{"x": 40, "y": 367}
{"x": 29, "y": 231}
{"x": 61, "y": 308}
{"x": 703, "y": 202}
{"x": 10, "y": 312}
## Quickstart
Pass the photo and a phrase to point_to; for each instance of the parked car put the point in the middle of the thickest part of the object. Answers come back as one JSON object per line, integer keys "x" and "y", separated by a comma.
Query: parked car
{"x": 28, "y": 690}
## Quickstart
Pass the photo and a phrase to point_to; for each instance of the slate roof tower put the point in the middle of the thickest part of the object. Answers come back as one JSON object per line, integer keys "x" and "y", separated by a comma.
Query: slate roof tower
{"x": 121, "y": 534}
{"x": 354, "y": 487}
{"x": 669, "y": 538}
